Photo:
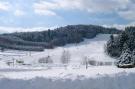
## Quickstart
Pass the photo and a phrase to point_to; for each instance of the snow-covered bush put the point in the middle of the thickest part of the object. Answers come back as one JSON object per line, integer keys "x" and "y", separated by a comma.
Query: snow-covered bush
{"x": 20, "y": 61}
{"x": 108, "y": 63}
{"x": 100, "y": 63}
{"x": 92, "y": 62}
{"x": 9, "y": 63}
{"x": 45, "y": 60}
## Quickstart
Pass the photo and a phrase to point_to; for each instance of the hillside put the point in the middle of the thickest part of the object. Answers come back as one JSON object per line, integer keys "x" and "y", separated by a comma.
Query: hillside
{"x": 55, "y": 76}
{"x": 88, "y": 48}
{"x": 38, "y": 41}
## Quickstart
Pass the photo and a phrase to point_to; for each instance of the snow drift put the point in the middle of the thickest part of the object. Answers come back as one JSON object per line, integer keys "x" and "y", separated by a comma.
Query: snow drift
{"x": 118, "y": 81}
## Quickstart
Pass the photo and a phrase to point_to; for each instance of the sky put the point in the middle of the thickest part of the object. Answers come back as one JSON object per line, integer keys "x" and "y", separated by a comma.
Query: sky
{"x": 55, "y": 13}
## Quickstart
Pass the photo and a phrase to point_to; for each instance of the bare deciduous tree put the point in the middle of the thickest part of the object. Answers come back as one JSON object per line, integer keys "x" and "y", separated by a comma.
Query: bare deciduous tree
{"x": 65, "y": 58}
{"x": 85, "y": 61}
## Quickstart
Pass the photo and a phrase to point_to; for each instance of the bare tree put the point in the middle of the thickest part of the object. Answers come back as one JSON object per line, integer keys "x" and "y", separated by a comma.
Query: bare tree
{"x": 65, "y": 58}
{"x": 85, "y": 61}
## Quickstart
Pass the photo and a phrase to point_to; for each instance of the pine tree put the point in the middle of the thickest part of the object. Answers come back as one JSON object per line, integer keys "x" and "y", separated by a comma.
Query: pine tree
{"x": 133, "y": 57}
{"x": 125, "y": 60}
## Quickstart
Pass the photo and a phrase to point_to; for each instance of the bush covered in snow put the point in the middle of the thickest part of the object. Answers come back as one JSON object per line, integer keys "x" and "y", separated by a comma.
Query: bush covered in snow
{"x": 45, "y": 60}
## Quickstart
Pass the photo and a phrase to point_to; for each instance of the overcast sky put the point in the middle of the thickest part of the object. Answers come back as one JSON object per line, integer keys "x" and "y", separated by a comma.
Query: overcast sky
{"x": 52, "y": 13}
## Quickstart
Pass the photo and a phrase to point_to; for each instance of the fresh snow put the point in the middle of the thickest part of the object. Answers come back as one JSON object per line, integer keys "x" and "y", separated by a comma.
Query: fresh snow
{"x": 34, "y": 75}
{"x": 73, "y": 74}
{"x": 93, "y": 78}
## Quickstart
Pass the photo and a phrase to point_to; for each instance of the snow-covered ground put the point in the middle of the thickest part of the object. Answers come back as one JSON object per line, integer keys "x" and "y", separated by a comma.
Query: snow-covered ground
{"x": 34, "y": 75}
{"x": 92, "y": 78}
{"x": 91, "y": 48}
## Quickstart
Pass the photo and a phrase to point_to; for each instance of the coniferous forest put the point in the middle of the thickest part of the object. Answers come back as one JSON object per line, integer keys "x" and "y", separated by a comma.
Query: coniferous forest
{"x": 38, "y": 41}
{"x": 122, "y": 47}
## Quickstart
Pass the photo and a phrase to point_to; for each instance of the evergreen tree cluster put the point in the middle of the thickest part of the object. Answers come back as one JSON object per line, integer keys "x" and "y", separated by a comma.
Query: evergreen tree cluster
{"x": 122, "y": 47}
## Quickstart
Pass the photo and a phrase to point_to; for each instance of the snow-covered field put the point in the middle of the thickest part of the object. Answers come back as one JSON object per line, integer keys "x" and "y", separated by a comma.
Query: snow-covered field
{"x": 34, "y": 75}
{"x": 91, "y": 48}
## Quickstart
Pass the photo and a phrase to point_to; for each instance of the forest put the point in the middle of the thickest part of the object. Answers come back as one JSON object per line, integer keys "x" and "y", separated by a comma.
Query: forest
{"x": 38, "y": 41}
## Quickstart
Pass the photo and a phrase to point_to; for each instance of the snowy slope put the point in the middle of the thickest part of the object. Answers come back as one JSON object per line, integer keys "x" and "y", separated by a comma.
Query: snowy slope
{"x": 92, "y": 48}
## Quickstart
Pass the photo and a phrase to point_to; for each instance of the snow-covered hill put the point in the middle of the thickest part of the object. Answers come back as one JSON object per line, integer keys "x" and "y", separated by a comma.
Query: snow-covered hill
{"x": 92, "y": 48}
{"x": 35, "y": 75}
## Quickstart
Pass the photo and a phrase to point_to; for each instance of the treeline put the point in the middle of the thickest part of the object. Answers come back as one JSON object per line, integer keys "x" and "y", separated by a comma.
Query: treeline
{"x": 122, "y": 47}
{"x": 9, "y": 43}
{"x": 57, "y": 37}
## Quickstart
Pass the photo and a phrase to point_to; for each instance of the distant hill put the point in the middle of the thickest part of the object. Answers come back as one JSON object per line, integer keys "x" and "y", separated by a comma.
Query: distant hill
{"x": 38, "y": 41}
